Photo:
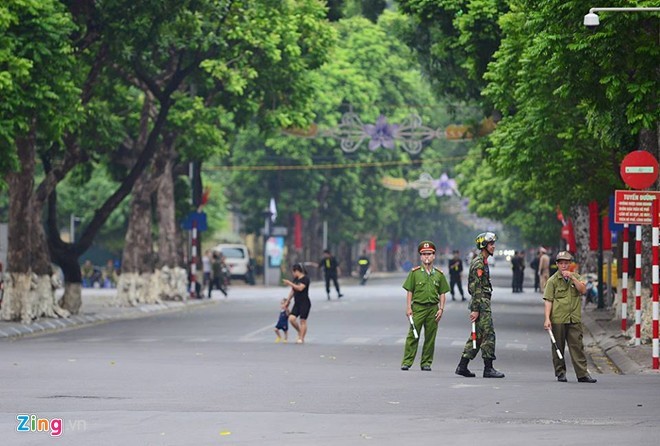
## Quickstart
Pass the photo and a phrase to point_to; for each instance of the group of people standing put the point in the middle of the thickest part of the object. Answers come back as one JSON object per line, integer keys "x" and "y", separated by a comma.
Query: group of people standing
{"x": 426, "y": 287}
{"x": 92, "y": 276}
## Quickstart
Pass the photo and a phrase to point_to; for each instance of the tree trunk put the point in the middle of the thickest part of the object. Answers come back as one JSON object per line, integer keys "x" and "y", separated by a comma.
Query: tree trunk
{"x": 587, "y": 259}
{"x": 170, "y": 279}
{"x": 30, "y": 283}
{"x": 167, "y": 237}
{"x": 138, "y": 257}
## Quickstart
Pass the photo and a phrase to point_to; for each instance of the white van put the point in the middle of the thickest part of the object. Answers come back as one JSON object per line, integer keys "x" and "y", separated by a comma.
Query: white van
{"x": 237, "y": 259}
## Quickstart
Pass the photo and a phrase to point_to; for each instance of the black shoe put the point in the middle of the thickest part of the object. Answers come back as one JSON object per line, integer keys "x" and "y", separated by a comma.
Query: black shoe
{"x": 490, "y": 372}
{"x": 463, "y": 370}
{"x": 426, "y": 368}
{"x": 453, "y": 298}
{"x": 328, "y": 297}
{"x": 339, "y": 296}
{"x": 587, "y": 379}
{"x": 561, "y": 378}
{"x": 463, "y": 298}
{"x": 405, "y": 367}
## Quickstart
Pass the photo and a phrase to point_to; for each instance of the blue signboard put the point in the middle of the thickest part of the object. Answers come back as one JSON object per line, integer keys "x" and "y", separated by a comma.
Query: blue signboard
{"x": 198, "y": 217}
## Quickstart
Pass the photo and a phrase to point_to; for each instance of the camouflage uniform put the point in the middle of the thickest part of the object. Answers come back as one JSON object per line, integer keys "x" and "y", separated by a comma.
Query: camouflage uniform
{"x": 480, "y": 289}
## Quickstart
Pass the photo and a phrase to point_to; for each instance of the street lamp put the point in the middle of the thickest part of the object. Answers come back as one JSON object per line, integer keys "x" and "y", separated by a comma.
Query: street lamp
{"x": 592, "y": 20}
{"x": 73, "y": 221}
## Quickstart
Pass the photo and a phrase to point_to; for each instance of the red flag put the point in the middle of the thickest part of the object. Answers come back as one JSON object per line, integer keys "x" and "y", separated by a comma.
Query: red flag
{"x": 560, "y": 216}
{"x": 205, "y": 196}
{"x": 372, "y": 244}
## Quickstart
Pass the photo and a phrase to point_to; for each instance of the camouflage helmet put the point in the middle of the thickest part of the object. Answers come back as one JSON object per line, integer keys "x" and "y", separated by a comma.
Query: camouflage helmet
{"x": 484, "y": 239}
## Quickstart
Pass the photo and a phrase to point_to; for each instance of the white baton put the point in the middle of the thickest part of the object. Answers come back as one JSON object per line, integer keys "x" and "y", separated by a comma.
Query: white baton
{"x": 412, "y": 324}
{"x": 552, "y": 338}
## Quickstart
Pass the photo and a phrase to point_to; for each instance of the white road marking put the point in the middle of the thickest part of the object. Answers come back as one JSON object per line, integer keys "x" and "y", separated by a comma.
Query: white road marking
{"x": 255, "y": 333}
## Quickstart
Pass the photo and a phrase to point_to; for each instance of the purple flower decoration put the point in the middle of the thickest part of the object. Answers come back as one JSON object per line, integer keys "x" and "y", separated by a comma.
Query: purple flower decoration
{"x": 445, "y": 186}
{"x": 382, "y": 134}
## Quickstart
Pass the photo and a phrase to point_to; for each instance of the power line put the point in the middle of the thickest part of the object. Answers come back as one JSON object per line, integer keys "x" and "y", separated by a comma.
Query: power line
{"x": 329, "y": 166}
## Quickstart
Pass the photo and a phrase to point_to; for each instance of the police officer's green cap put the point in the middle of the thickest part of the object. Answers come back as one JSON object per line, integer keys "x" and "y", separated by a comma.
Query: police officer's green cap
{"x": 426, "y": 246}
{"x": 564, "y": 255}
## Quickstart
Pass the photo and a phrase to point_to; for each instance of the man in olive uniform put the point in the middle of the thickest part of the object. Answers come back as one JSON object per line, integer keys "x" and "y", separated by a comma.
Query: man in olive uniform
{"x": 425, "y": 287}
{"x": 480, "y": 289}
{"x": 563, "y": 316}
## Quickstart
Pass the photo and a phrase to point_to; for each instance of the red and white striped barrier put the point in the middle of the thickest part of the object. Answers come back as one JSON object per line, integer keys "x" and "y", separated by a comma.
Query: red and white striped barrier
{"x": 656, "y": 280}
{"x": 193, "y": 261}
{"x": 624, "y": 280}
{"x": 638, "y": 285}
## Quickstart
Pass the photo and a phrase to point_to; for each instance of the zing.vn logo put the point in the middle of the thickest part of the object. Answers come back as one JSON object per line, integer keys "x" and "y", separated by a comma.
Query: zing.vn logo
{"x": 30, "y": 423}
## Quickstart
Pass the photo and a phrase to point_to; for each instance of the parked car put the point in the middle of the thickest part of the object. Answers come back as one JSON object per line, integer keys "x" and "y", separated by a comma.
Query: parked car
{"x": 237, "y": 259}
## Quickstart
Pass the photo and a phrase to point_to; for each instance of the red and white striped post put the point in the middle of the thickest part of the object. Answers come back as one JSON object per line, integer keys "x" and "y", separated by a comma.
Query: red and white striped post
{"x": 624, "y": 280}
{"x": 656, "y": 280}
{"x": 193, "y": 260}
{"x": 638, "y": 285}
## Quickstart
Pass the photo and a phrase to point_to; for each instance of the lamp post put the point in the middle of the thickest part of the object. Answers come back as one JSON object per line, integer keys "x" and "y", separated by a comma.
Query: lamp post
{"x": 73, "y": 221}
{"x": 591, "y": 20}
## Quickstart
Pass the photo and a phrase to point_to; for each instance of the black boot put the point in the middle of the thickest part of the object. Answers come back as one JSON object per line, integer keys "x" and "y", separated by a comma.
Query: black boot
{"x": 489, "y": 371}
{"x": 463, "y": 370}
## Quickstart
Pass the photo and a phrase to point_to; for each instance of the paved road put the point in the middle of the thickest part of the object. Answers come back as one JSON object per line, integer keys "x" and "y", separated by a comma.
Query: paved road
{"x": 213, "y": 375}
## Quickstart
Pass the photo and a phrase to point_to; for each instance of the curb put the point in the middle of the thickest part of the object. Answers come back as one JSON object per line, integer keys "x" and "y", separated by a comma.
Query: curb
{"x": 611, "y": 346}
{"x": 10, "y": 330}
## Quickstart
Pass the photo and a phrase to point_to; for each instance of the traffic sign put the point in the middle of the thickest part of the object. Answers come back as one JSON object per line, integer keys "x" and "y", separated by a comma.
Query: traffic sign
{"x": 634, "y": 207}
{"x": 639, "y": 169}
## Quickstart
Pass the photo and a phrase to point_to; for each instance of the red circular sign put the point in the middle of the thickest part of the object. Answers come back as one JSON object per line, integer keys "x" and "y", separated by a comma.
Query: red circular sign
{"x": 639, "y": 169}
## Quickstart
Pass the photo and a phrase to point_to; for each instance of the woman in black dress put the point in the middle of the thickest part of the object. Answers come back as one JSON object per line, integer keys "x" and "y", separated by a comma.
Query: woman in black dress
{"x": 300, "y": 293}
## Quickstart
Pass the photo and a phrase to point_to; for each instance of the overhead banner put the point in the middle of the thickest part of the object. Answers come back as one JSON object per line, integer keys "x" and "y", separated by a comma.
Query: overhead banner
{"x": 634, "y": 207}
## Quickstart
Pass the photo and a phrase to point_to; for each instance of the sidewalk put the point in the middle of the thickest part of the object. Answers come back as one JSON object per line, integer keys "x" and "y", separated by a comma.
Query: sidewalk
{"x": 97, "y": 307}
{"x": 605, "y": 330}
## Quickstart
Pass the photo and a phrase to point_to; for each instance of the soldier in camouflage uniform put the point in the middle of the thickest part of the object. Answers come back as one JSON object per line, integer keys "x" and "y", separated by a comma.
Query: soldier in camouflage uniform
{"x": 425, "y": 287}
{"x": 480, "y": 289}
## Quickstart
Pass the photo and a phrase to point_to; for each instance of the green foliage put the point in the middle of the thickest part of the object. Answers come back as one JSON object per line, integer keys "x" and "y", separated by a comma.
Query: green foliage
{"x": 573, "y": 101}
{"x": 455, "y": 41}
{"x": 35, "y": 59}
{"x": 370, "y": 73}
{"x": 82, "y": 203}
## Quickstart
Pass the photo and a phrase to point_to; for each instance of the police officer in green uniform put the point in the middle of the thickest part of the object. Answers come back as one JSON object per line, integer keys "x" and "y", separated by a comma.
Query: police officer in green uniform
{"x": 426, "y": 286}
{"x": 480, "y": 289}
{"x": 563, "y": 316}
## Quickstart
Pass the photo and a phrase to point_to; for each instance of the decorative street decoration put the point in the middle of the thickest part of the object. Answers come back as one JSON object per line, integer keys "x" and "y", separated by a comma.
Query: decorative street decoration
{"x": 409, "y": 134}
{"x": 425, "y": 185}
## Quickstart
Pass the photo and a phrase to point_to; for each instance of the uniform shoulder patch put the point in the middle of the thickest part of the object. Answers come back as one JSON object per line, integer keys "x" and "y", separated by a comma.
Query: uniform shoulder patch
{"x": 415, "y": 268}
{"x": 480, "y": 272}
{"x": 438, "y": 270}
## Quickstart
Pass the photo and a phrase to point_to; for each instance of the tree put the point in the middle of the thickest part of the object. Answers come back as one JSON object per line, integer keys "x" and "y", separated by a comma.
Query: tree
{"x": 241, "y": 55}
{"x": 562, "y": 137}
{"x": 39, "y": 105}
{"x": 369, "y": 74}
{"x": 455, "y": 40}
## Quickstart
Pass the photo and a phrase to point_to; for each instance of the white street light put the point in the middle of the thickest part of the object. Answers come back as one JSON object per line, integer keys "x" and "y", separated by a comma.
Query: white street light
{"x": 592, "y": 20}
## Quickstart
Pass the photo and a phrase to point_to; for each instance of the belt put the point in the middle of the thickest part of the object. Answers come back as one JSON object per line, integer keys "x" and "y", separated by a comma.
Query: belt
{"x": 425, "y": 303}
